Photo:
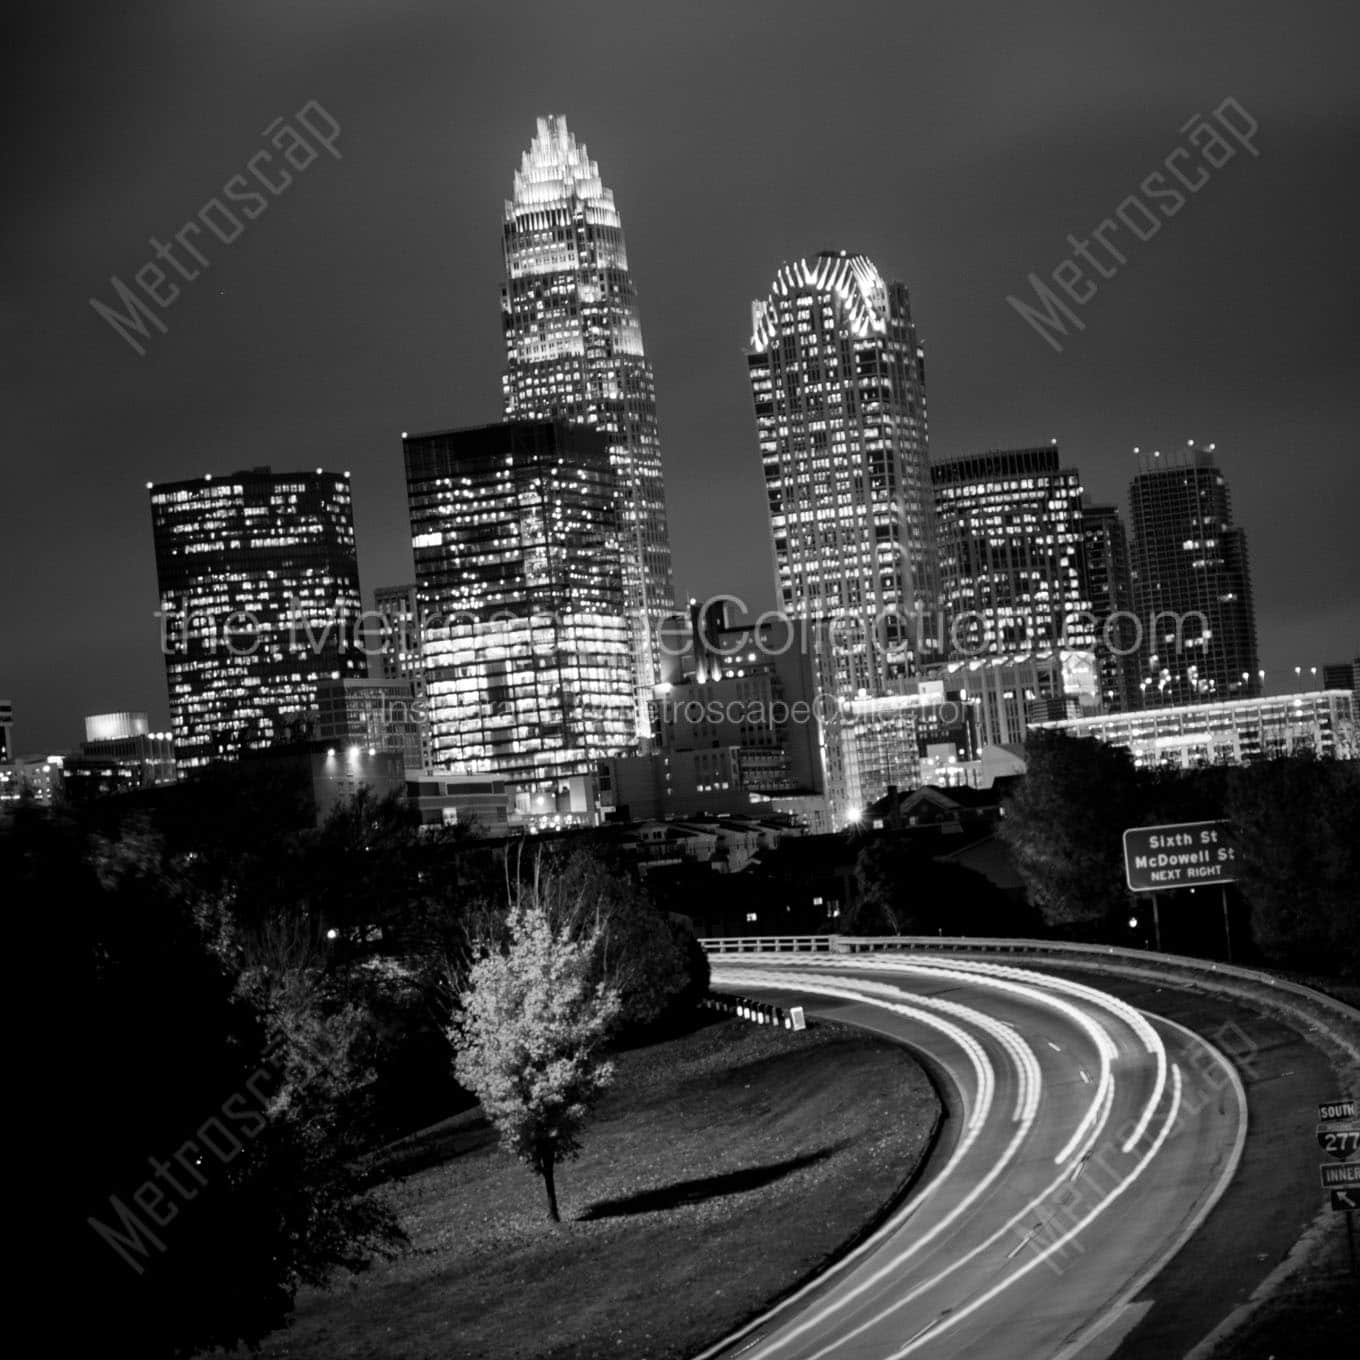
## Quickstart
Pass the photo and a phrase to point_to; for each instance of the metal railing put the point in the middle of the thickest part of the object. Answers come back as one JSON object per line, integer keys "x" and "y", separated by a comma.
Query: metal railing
{"x": 1288, "y": 992}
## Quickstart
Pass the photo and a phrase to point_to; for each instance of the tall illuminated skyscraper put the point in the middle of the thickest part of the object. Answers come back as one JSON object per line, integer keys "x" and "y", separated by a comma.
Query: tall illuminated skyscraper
{"x": 838, "y": 381}
{"x": 1108, "y": 587}
{"x": 573, "y": 343}
{"x": 1191, "y": 583}
{"x": 259, "y": 589}
{"x": 524, "y": 644}
{"x": 1010, "y": 532}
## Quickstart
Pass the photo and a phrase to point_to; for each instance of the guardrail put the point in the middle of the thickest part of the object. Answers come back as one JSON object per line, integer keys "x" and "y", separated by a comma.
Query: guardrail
{"x": 857, "y": 944}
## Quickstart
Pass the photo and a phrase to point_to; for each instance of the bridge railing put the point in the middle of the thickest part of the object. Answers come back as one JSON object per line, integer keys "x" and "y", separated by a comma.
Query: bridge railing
{"x": 1287, "y": 991}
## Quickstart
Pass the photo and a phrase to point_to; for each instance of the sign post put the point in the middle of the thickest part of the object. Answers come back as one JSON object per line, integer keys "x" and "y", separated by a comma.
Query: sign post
{"x": 1338, "y": 1135}
{"x": 1180, "y": 855}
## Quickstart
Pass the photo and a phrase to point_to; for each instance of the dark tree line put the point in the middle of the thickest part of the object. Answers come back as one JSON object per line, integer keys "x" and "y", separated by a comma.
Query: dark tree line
{"x": 1295, "y": 822}
{"x": 252, "y": 1006}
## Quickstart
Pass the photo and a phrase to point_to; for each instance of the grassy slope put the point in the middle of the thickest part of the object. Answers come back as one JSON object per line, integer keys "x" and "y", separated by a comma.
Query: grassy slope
{"x": 724, "y": 1167}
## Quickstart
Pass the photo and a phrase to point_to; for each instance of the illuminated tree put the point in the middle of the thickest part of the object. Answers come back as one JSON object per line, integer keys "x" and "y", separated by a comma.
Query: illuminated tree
{"x": 528, "y": 1038}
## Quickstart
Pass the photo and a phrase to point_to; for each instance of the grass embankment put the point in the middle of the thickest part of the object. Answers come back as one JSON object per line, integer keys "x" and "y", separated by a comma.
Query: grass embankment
{"x": 722, "y": 1169}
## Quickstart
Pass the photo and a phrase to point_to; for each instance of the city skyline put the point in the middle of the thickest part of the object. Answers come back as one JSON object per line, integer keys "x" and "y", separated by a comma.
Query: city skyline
{"x": 269, "y": 360}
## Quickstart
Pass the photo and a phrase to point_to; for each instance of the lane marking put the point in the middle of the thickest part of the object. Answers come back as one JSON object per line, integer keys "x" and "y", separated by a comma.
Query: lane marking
{"x": 1140, "y": 1282}
{"x": 987, "y": 1296}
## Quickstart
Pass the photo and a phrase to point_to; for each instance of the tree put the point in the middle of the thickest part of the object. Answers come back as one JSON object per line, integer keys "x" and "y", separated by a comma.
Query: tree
{"x": 1065, "y": 822}
{"x": 190, "y": 1201}
{"x": 1297, "y": 826}
{"x": 528, "y": 1038}
{"x": 904, "y": 891}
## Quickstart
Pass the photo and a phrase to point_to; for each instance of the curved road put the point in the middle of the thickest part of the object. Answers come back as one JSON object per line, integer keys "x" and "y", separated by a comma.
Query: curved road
{"x": 1086, "y": 1142}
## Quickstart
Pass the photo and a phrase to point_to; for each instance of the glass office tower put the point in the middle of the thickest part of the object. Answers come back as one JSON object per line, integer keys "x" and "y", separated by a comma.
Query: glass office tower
{"x": 573, "y": 343}
{"x": 838, "y": 382}
{"x": 1010, "y": 536}
{"x": 259, "y": 601}
{"x": 524, "y": 643}
{"x": 1191, "y": 583}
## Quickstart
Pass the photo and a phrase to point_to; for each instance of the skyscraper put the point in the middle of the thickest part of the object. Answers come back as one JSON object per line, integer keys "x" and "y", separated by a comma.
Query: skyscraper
{"x": 259, "y": 591}
{"x": 1010, "y": 536}
{"x": 524, "y": 643}
{"x": 1108, "y": 587}
{"x": 398, "y": 652}
{"x": 1191, "y": 583}
{"x": 573, "y": 343}
{"x": 838, "y": 381}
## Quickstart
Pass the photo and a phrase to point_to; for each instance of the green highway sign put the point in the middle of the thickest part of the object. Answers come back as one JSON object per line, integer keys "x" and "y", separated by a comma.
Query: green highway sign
{"x": 1343, "y": 1176}
{"x": 1343, "y": 1201}
{"x": 1179, "y": 855}
{"x": 1342, "y": 1108}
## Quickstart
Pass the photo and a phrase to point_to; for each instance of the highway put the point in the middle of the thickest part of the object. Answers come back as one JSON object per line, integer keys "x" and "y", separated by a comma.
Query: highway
{"x": 1085, "y": 1143}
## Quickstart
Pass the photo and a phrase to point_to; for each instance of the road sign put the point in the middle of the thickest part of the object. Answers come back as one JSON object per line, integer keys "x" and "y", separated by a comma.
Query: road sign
{"x": 1343, "y": 1201}
{"x": 1179, "y": 855}
{"x": 1343, "y": 1108}
{"x": 1338, "y": 1142}
{"x": 1342, "y": 1177}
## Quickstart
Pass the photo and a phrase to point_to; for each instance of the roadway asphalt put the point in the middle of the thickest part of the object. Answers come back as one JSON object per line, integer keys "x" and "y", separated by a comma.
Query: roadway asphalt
{"x": 1273, "y": 1197}
{"x": 1084, "y": 1144}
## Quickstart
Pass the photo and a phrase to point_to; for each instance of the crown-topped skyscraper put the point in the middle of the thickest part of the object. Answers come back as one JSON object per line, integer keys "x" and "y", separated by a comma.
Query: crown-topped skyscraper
{"x": 838, "y": 382}
{"x": 574, "y": 352}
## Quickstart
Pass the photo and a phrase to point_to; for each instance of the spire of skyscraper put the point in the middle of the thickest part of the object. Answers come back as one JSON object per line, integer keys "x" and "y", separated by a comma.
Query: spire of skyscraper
{"x": 574, "y": 352}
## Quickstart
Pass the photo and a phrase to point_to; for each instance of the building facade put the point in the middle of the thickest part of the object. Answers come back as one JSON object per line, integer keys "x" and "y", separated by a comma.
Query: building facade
{"x": 525, "y": 647}
{"x": 396, "y": 655}
{"x": 1010, "y": 541}
{"x": 1108, "y": 589}
{"x": 1237, "y": 732}
{"x": 383, "y": 715}
{"x": 573, "y": 342}
{"x": 259, "y": 601}
{"x": 837, "y": 377}
{"x": 1191, "y": 584}
{"x": 120, "y": 754}
{"x": 742, "y": 716}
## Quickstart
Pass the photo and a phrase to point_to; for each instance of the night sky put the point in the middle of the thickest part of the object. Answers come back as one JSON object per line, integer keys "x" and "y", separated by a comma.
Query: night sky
{"x": 955, "y": 144}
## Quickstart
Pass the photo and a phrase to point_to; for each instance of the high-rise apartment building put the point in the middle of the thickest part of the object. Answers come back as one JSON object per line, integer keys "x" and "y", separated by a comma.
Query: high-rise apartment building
{"x": 1108, "y": 588}
{"x": 524, "y": 643}
{"x": 573, "y": 342}
{"x": 838, "y": 381}
{"x": 259, "y": 601}
{"x": 1010, "y": 541}
{"x": 1191, "y": 583}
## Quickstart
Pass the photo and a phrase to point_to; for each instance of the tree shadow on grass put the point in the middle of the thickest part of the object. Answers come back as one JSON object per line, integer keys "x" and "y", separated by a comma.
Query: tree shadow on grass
{"x": 704, "y": 1187}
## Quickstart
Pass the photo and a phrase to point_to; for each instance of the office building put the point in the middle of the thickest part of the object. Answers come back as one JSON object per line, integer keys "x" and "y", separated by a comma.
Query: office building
{"x": 573, "y": 343}
{"x": 479, "y": 803}
{"x": 1010, "y": 540}
{"x": 1321, "y": 723}
{"x": 120, "y": 754}
{"x": 1108, "y": 589}
{"x": 837, "y": 377}
{"x": 395, "y": 652}
{"x": 743, "y": 716}
{"x": 259, "y": 602}
{"x": 1191, "y": 583}
{"x": 6, "y": 730}
{"x": 1342, "y": 675}
{"x": 382, "y": 715}
{"x": 525, "y": 647}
